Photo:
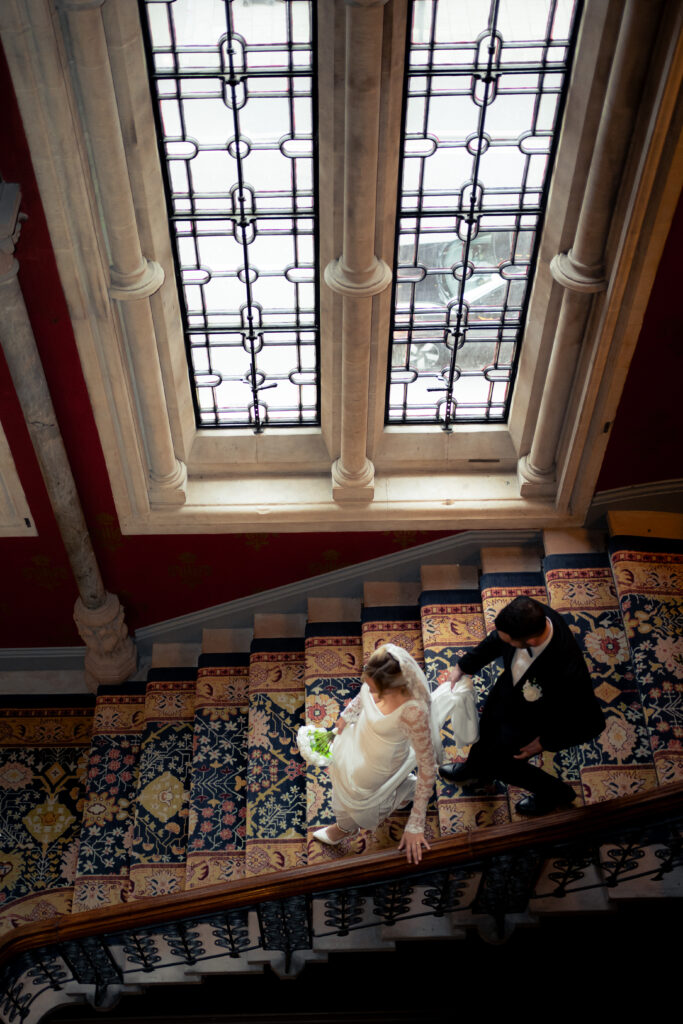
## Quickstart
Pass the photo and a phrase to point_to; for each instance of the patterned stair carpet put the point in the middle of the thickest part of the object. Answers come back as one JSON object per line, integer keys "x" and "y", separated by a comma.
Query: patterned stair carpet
{"x": 276, "y": 781}
{"x": 648, "y": 574}
{"x": 619, "y": 761}
{"x": 334, "y": 661}
{"x": 216, "y": 848}
{"x": 195, "y": 778}
{"x": 452, "y": 624}
{"x": 103, "y": 874}
{"x": 43, "y": 761}
{"x": 162, "y": 805}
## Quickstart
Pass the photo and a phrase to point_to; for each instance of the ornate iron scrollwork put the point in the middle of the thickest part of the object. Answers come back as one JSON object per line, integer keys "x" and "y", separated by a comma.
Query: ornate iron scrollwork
{"x": 184, "y": 941}
{"x": 140, "y": 948}
{"x": 392, "y": 900}
{"x": 570, "y": 867}
{"x": 91, "y": 963}
{"x": 45, "y": 967}
{"x": 344, "y": 910}
{"x": 285, "y": 926}
{"x": 14, "y": 1001}
{"x": 446, "y": 890}
{"x": 507, "y": 883}
{"x": 230, "y": 931}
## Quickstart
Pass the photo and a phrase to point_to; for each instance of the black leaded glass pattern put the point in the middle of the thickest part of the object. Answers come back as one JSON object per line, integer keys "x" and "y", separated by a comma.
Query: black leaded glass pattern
{"x": 485, "y": 84}
{"x": 234, "y": 83}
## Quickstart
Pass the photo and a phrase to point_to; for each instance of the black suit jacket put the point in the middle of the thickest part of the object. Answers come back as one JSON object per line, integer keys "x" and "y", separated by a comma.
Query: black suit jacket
{"x": 566, "y": 712}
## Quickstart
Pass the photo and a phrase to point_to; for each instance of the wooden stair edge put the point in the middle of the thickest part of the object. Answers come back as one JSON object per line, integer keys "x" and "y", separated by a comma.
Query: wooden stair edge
{"x": 583, "y": 822}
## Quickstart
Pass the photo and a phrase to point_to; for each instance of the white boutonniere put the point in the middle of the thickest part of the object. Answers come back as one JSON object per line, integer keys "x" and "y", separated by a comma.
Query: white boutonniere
{"x": 531, "y": 691}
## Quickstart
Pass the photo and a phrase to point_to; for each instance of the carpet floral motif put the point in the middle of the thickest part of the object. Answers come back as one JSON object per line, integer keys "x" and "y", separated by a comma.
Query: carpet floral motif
{"x": 103, "y": 871}
{"x": 276, "y": 783}
{"x": 43, "y": 756}
{"x": 160, "y": 829}
{"x": 581, "y": 587}
{"x": 400, "y": 626}
{"x": 649, "y": 582}
{"x": 217, "y": 824}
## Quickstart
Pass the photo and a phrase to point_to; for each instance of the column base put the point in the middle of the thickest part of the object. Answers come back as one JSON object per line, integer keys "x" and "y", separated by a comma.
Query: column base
{"x": 170, "y": 489}
{"x": 534, "y": 483}
{"x": 575, "y": 276}
{"x": 110, "y": 656}
{"x": 358, "y": 487}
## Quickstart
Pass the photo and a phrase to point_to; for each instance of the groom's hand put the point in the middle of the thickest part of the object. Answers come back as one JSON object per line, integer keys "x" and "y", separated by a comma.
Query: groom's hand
{"x": 529, "y": 750}
{"x": 454, "y": 675}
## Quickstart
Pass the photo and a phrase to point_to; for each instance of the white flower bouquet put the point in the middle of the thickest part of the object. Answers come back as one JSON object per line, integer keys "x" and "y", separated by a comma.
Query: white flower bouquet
{"x": 315, "y": 745}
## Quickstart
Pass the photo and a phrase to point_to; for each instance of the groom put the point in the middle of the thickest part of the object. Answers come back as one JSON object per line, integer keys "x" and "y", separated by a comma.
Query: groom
{"x": 544, "y": 700}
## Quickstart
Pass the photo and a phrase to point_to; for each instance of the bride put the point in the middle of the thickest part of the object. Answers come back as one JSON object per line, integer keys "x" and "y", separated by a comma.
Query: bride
{"x": 392, "y": 725}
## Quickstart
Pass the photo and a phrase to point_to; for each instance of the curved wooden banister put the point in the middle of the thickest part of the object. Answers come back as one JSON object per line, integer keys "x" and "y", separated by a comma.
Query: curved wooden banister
{"x": 561, "y": 827}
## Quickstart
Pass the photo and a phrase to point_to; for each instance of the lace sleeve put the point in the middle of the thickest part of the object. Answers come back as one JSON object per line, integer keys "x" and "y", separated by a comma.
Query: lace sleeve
{"x": 351, "y": 712}
{"x": 415, "y": 723}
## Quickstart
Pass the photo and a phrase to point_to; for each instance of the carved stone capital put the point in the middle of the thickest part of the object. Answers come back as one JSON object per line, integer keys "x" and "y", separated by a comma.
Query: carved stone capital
{"x": 576, "y": 276}
{"x": 348, "y": 282}
{"x": 145, "y": 283}
{"x": 110, "y": 656}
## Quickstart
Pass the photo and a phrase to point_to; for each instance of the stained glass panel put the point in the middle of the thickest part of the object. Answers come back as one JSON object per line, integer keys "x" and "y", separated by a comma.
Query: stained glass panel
{"x": 234, "y": 83}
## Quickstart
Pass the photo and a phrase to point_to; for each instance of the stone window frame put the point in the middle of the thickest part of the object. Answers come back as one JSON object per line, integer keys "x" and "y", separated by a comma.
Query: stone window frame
{"x": 80, "y": 76}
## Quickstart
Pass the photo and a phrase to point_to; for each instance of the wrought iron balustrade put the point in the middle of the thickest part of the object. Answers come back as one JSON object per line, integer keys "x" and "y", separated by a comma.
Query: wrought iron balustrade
{"x": 494, "y": 871}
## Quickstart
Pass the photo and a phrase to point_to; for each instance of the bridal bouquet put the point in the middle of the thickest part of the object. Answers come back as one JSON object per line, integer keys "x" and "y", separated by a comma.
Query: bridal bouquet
{"x": 315, "y": 745}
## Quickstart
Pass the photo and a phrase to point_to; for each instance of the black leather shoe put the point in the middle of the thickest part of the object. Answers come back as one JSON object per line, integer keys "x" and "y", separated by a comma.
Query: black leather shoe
{"x": 457, "y": 774}
{"x": 533, "y": 806}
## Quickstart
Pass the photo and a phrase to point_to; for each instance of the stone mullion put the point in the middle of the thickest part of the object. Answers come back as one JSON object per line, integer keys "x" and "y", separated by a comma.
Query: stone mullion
{"x": 358, "y": 274}
{"x": 581, "y": 271}
{"x": 133, "y": 278}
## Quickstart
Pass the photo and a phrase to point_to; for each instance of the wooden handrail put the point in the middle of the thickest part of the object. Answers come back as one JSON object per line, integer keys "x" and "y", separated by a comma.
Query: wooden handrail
{"x": 581, "y": 823}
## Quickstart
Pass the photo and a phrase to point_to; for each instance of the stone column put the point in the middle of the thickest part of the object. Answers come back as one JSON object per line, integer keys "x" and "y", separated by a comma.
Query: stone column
{"x": 133, "y": 278}
{"x": 358, "y": 274}
{"x": 581, "y": 271}
{"x": 110, "y": 654}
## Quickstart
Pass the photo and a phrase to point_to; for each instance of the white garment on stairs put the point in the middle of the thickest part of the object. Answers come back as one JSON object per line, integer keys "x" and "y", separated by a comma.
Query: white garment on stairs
{"x": 375, "y": 754}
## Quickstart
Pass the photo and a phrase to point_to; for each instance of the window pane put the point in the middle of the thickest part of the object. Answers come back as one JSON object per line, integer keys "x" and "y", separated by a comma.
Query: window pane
{"x": 234, "y": 81}
{"x": 484, "y": 93}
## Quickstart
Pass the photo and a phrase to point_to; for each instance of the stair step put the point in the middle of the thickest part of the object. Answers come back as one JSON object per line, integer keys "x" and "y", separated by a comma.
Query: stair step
{"x": 449, "y": 577}
{"x": 276, "y": 780}
{"x": 380, "y": 592}
{"x": 619, "y": 761}
{"x": 218, "y": 796}
{"x": 646, "y": 524}
{"x": 103, "y": 872}
{"x": 162, "y": 805}
{"x": 648, "y": 576}
{"x": 568, "y": 542}
{"x": 334, "y": 609}
{"x": 276, "y": 625}
{"x": 230, "y": 641}
{"x": 175, "y": 655}
{"x": 510, "y": 559}
{"x": 333, "y": 665}
{"x": 452, "y": 624}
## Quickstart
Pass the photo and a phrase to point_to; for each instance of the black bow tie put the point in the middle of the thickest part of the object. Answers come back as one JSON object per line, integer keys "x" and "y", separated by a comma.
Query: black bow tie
{"x": 528, "y": 651}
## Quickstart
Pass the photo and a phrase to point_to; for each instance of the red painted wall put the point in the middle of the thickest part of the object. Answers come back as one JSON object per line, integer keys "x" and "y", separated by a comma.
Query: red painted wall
{"x": 165, "y": 576}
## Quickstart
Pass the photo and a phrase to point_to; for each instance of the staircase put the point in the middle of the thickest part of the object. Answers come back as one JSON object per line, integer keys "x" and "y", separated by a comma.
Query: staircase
{"x": 194, "y": 779}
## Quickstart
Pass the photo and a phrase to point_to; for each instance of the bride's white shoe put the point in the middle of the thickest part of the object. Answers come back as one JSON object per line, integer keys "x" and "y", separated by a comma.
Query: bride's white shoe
{"x": 322, "y": 836}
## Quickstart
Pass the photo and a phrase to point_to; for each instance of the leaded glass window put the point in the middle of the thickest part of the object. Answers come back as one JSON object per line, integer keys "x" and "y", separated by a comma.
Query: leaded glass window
{"x": 485, "y": 86}
{"x": 234, "y": 82}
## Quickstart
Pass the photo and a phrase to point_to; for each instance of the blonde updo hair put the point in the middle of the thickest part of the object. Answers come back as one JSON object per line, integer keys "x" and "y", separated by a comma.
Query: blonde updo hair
{"x": 384, "y": 670}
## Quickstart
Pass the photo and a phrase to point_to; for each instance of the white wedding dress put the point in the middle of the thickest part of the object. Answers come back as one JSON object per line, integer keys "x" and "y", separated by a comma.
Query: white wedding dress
{"x": 375, "y": 754}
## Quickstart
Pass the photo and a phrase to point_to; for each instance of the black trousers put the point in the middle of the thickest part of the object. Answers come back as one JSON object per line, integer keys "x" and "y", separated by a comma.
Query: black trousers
{"x": 505, "y": 727}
